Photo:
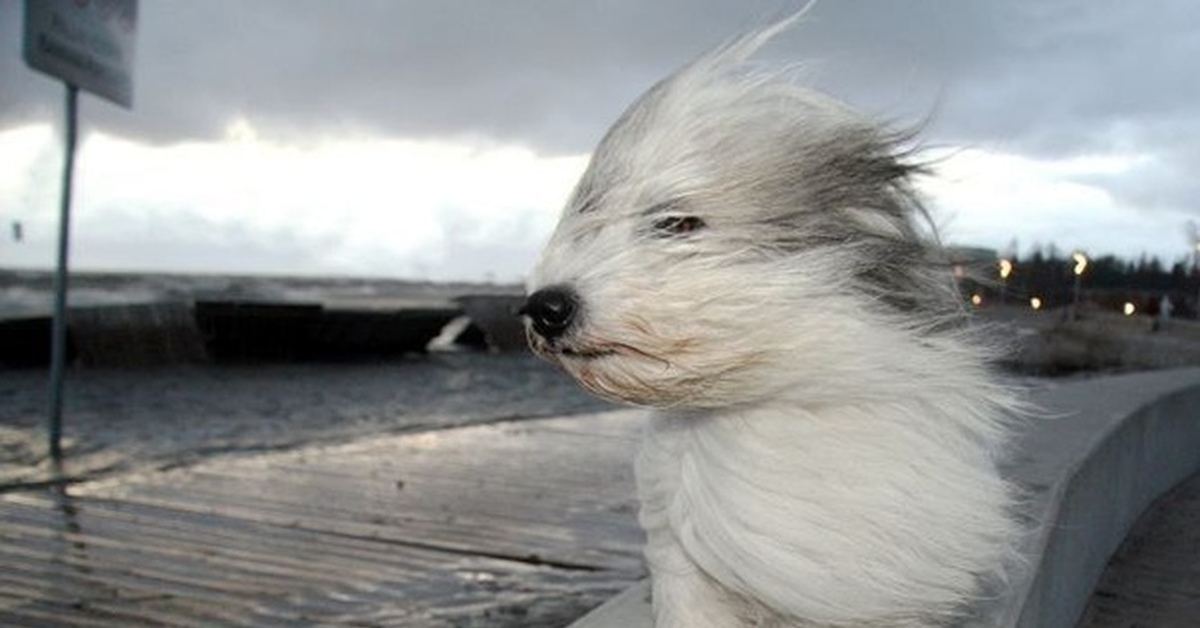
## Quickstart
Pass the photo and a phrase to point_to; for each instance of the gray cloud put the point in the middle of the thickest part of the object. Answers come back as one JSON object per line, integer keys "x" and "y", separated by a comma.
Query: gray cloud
{"x": 1053, "y": 77}
{"x": 1040, "y": 78}
{"x": 1062, "y": 77}
{"x": 546, "y": 73}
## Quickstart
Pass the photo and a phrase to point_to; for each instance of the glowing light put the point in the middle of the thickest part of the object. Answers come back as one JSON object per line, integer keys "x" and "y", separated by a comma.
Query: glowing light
{"x": 1081, "y": 262}
{"x": 1035, "y": 303}
{"x": 1130, "y": 309}
{"x": 976, "y": 300}
{"x": 1006, "y": 268}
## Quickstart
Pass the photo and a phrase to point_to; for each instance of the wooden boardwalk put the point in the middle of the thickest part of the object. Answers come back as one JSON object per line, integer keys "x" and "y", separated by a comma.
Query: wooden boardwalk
{"x": 517, "y": 524}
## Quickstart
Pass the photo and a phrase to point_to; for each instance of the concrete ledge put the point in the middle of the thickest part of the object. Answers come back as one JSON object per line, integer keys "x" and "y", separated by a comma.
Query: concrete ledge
{"x": 1110, "y": 447}
{"x": 1121, "y": 443}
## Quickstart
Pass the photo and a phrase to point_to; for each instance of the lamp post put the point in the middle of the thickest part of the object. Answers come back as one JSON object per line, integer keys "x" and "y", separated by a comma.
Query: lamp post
{"x": 1196, "y": 273}
{"x": 1081, "y": 264}
{"x": 1193, "y": 238}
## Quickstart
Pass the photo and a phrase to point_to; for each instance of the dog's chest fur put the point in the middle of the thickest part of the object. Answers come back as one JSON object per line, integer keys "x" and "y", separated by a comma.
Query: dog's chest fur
{"x": 834, "y": 518}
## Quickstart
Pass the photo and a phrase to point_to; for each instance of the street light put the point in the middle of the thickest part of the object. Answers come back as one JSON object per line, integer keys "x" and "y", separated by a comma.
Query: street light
{"x": 1006, "y": 268}
{"x": 1081, "y": 264}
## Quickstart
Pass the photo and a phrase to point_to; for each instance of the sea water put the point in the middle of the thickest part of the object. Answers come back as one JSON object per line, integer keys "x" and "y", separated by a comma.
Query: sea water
{"x": 133, "y": 419}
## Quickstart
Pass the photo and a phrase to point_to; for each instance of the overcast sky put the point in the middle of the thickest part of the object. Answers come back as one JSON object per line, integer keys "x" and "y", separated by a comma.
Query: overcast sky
{"x": 439, "y": 139}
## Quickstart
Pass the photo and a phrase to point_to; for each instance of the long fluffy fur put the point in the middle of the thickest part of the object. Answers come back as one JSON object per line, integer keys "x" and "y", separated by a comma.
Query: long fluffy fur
{"x": 826, "y": 435}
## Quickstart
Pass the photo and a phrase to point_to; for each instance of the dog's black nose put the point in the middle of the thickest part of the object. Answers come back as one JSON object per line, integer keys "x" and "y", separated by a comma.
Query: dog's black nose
{"x": 551, "y": 310}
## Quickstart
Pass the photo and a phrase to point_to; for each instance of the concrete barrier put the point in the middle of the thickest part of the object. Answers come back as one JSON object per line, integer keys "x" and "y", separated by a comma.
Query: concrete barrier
{"x": 1120, "y": 443}
{"x": 1110, "y": 446}
{"x": 496, "y": 316}
{"x": 134, "y": 335}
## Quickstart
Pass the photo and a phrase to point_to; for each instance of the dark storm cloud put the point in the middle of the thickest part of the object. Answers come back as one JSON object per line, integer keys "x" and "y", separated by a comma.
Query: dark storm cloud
{"x": 524, "y": 68}
{"x": 1076, "y": 78}
{"x": 1053, "y": 78}
{"x": 1067, "y": 74}
{"x": 546, "y": 72}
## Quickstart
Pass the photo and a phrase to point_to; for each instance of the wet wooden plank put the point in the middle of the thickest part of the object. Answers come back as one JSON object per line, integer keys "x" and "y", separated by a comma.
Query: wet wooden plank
{"x": 509, "y": 524}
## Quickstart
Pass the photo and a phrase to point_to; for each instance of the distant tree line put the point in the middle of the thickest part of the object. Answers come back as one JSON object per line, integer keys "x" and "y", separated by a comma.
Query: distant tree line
{"x": 1107, "y": 282}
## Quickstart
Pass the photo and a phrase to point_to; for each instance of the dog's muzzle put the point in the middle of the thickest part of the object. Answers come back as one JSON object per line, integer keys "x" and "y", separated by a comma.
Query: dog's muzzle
{"x": 552, "y": 311}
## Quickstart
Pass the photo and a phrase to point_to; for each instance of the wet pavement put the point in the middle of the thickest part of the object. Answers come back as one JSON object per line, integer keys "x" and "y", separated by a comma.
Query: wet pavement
{"x": 518, "y": 523}
{"x": 513, "y": 524}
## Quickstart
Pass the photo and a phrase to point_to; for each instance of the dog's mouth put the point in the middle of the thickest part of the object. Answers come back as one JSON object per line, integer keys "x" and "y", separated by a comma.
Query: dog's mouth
{"x": 557, "y": 352}
{"x": 617, "y": 371}
{"x": 586, "y": 353}
{"x": 579, "y": 351}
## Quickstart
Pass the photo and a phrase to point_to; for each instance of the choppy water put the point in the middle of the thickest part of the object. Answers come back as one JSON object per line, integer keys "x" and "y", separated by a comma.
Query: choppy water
{"x": 117, "y": 420}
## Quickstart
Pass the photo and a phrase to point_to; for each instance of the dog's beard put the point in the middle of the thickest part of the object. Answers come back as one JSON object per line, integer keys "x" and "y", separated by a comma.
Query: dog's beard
{"x": 617, "y": 371}
{"x": 648, "y": 370}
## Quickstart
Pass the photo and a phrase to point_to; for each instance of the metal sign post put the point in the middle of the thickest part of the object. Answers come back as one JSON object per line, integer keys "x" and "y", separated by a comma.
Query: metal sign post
{"x": 89, "y": 44}
{"x": 58, "y": 332}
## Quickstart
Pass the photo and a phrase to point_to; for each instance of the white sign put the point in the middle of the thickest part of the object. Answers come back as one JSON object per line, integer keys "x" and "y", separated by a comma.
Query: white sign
{"x": 87, "y": 43}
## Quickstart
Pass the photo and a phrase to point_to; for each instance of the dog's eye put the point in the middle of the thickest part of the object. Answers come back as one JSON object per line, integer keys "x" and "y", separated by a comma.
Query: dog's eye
{"x": 672, "y": 226}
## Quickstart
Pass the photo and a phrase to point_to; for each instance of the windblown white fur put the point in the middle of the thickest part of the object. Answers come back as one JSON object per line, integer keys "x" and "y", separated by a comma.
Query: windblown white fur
{"x": 747, "y": 257}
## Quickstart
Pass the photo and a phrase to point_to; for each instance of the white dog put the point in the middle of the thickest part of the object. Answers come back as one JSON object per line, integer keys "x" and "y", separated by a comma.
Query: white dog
{"x": 749, "y": 258}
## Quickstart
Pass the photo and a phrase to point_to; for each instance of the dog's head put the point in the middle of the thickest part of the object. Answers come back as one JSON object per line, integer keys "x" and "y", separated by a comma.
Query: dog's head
{"x": 734, "y": 236}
